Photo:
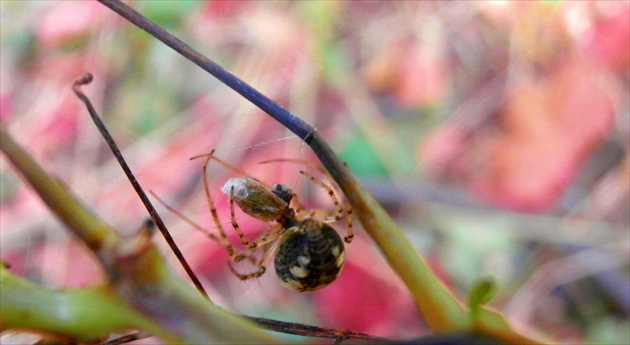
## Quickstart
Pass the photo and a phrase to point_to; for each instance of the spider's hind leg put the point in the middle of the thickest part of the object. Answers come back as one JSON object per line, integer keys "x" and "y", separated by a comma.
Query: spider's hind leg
{"x": 261, "y": 270}
{"x": 268, "y": 250}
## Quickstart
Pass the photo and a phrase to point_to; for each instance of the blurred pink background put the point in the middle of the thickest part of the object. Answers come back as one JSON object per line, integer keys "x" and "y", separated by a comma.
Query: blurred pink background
{"x": 496, "y": 133}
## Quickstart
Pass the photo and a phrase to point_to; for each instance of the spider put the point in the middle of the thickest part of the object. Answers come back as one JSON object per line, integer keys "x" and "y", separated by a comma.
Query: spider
{"x": 309, "y": 254}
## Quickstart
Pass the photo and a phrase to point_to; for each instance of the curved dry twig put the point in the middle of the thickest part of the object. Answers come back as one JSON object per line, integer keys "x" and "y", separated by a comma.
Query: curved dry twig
{"x": 76, "y": 87}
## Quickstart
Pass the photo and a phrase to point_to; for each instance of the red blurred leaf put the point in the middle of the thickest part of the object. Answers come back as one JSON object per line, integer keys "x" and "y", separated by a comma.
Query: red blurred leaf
{"x": 67, "y": 21}
{"x": 609, "y": 40}
{"x": 416, "y": 77}
{"x": 67, "y": 263}
{"x": 441, "y": 147}
{"x": 422, "y": 79}
{"x": 6, "y": 106}
{"x": 551, "y": 126}
{"x": 368, "y": 298}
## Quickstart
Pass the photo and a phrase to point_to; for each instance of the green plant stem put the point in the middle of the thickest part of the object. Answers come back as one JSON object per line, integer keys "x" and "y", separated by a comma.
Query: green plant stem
{"x": 65, "y": 205}
{"x": 86, "y": 315}
{"x": 441, "y": 309}
{"x": 137, "y": 274}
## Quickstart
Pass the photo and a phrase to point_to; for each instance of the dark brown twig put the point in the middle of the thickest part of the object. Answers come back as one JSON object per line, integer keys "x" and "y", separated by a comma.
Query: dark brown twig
{"x": 76, "y": 87}
{"x": 312, "y": 331}
{"x": 126, "y": 338}
{"x": 281, "y": 327}
{"x": 340, "y": 336}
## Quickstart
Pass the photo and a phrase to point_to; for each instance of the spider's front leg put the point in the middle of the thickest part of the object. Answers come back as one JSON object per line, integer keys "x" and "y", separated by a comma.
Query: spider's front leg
{"x": 339, "y": 209}
{"x": 301, "y": 210}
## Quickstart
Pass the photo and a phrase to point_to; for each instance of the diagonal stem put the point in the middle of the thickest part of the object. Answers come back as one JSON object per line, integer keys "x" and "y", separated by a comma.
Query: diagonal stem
{"x": 76, "y": 87}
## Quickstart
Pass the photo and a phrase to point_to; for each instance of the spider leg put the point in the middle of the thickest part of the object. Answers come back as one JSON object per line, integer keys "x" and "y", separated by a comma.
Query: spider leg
{"x": 235, "y": 225}
{"x": 266, "y": 241}
{"x": 330, "y": 192}
{"x": 339, "y": 213}
{"x": 297, "y": 205}
{"x": 301, "y": 161}
{"x": 270, "y": 249}
{"x": 350, "y": 233}
{"x": 261, "y": 270}
{"x": 223, "y": 237}
{"x": 228, "y": 165}
{"x": 270, "y": 235}
{"x": 223, "y": 241}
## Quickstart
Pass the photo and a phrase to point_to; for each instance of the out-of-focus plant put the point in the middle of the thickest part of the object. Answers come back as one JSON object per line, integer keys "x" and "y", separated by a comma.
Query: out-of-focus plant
{"x": 493, "y": 151}
{"x": 442, "y": 311}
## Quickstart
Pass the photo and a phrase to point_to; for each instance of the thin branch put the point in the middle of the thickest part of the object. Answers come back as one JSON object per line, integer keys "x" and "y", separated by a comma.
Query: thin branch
{"x": 127, "y": 338}
{"x": 312, "y": 331}
{"x": 341, "y": 335}
{"x": 76, "y": 87}
{"x": 281, "y": 327}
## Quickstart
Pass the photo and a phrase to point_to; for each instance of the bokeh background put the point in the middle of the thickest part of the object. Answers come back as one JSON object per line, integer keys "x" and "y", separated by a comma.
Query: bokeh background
{"x": 496, "y": 133}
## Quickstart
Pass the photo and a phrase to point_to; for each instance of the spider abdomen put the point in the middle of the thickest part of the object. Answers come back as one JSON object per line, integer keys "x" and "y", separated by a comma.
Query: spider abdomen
{"x": 310, "y": 256}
